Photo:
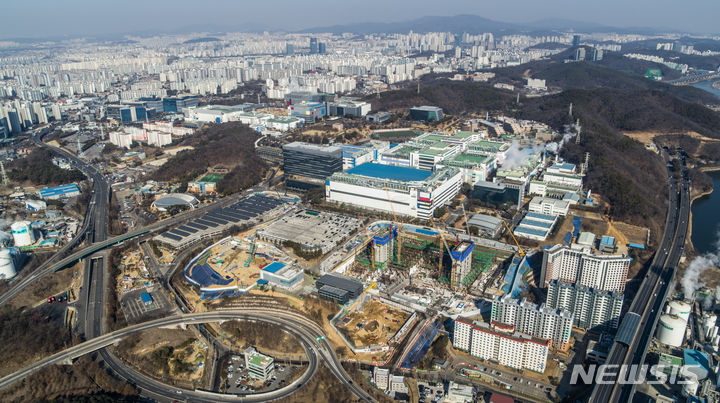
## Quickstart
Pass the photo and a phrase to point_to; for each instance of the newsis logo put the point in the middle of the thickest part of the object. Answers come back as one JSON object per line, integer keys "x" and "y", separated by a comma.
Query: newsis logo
{"x": 634, "y": 374}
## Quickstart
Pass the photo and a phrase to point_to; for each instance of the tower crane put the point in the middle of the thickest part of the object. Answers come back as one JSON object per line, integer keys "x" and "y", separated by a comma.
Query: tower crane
{"x": 442, "y": 238}
{"x": 520, "y": 249}
{"x": 400, "y": 227}
{"x": 372, "y": 246}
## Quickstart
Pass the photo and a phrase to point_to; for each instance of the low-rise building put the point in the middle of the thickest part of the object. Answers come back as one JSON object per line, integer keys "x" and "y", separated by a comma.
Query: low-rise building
{"x": 548, "y": 206}
{"x": 259, "y": 366}
{"x": 536, "y": 226}
{"x": 426, "y": 113}
{"x": 282, "y": 275}
{"x": 338, "y": 288}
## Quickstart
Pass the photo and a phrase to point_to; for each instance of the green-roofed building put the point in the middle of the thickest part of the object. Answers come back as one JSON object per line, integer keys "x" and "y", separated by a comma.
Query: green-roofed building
{"x": 259, "y": 366}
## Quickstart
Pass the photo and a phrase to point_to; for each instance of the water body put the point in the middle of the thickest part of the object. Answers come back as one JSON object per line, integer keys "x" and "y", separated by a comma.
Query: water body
{"x": 706, "y": 218}
{"x": 707, "y": 86}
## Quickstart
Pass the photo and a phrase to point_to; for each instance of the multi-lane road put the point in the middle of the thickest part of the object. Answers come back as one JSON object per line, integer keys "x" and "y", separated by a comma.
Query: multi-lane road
{"x": 636, "y": 329}
{"x": 305, "y": 330}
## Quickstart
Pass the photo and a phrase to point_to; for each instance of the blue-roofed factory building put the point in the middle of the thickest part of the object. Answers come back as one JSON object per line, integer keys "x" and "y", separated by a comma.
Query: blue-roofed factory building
{"x": 536, "y": 226}
{"x": 59, "y": 192}
{"x": 282, "y": 275}
{"x": 397, "y": 189}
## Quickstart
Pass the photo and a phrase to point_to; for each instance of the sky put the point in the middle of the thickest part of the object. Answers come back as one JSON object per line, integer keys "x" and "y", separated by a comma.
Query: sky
{"x": 57, "y": 18}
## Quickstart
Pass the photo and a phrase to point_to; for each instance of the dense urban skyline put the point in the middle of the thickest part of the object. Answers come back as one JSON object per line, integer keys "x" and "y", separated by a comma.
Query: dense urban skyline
{"x": 89, "y": 18}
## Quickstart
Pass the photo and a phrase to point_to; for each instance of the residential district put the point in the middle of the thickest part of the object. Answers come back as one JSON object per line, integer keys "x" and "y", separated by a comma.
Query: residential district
{"x": 443, "y": 258}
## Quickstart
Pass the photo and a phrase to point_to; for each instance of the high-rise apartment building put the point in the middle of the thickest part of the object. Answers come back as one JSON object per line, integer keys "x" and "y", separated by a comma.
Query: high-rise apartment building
{"x": 579, "y": 264}
{"x": 539, "y": 321}
{"x": 502, "y": 343}
{"x": 592, "y": 309}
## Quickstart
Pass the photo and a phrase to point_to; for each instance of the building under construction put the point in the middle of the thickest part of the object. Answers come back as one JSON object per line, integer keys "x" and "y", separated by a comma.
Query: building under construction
{"x": 457, "y": 263}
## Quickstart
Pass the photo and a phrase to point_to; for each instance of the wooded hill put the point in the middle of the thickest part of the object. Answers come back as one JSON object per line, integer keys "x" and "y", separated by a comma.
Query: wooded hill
{"x": 631, "y": 178}
{"x": 228, "y": 144}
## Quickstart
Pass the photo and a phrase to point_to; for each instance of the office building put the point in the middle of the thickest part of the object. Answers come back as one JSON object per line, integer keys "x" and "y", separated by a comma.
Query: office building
{"x": 348, "y": 106}
{"x": 338, "y": 288}
{"x": 544, "y": 205}
{"x": 576, "y": 40}
{"x": 536, "y": 320}
{"x": 289, "y": 49}
{"x": 177, "y": 104}
{"x": 379, "y": 118}
{"x": 394, "y": 189}
{"x": 498, "y": 195}
{"x": 426, "y": 113}
{"x": 313, "y": 46}
{"x": 322, "y": 48}
{"x": 259, "y": 366}
{"x": 310, "y": 111}
{"x": 579, "y": 264}
{"x": 381, "y": 378}
{"x": 282, "y": 275}
{"x": 312, "y": 160}
{"x": 500, "y": 342}
{"x": 592, "y": 309}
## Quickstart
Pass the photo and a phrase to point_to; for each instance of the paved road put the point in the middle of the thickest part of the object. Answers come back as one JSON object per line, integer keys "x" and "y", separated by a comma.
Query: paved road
{"x": 648, "y": 302}
{"x": 305, "y": 330}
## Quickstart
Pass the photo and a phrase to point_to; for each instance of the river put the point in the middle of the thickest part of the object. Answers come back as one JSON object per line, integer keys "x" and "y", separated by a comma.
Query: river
{"x": 707, "y": 86}
{"x": 706, "y": 210}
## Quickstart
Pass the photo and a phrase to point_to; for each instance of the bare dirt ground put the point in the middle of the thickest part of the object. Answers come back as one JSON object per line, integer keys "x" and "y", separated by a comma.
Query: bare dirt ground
{"x": 53, "y": 284}
{"x": 648, "y": 137}
{"x": 377, "y": 323}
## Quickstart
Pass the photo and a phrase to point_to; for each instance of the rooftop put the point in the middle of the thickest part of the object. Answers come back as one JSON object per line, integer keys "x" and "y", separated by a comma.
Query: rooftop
{"x": 380, "y": 171}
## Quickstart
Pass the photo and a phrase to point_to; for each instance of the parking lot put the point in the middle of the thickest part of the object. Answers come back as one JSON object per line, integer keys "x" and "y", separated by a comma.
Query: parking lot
{"x": 430, "y": 392}
{"x": 239, "y": 381}
{"x": 137, "y": 310}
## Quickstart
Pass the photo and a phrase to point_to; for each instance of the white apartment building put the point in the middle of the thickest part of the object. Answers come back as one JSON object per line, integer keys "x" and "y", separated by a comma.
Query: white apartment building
{"x": 544, "y": 205}
{"x": 121, "y": 139}
{"x": 592, "y": 309}
{"x": 500, "y": 342}
{"x": 536, "y": 320}
{"x": 579, "y": 264}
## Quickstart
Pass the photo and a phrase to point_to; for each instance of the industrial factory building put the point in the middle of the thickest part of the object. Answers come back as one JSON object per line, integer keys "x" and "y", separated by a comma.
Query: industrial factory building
{"x": 399, "y": 190}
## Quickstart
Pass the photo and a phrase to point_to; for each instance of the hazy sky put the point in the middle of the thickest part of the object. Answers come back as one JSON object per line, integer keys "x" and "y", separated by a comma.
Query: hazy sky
{"x": 49, "y": 18}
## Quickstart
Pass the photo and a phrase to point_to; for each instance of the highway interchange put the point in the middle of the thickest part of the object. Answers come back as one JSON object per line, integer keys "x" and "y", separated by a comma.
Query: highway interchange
{"x": 91, "y": 316}
{"x": 638, "y": 325}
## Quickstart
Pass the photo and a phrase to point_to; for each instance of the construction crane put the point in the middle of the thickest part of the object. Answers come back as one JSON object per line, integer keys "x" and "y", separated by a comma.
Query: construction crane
{"x": 372, "y": 285}
{"x": 520, "y": 249}
{"x": 442, "y": 238}
{"x": 251, "y": 255}
{"x": 467, "y": 225}
{"x": 400, "y": 227}
{"x": 372, "y": 246}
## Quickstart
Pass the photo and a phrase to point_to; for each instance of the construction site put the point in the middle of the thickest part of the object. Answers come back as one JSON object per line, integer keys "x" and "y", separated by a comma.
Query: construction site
{"x": 233, "y": 265}
{"x": 371, "y": 323}
{"x": 414, "y": 252}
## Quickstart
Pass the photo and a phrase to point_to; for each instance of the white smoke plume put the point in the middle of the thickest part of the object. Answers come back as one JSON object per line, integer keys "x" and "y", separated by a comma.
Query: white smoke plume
{"x": 555, "y": 146}
{"x": 691, "y": 281}
{"x": 516, "y": 155}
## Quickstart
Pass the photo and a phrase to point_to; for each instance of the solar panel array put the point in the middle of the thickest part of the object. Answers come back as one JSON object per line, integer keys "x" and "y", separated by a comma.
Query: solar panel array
{"x": 237, "y": 213}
